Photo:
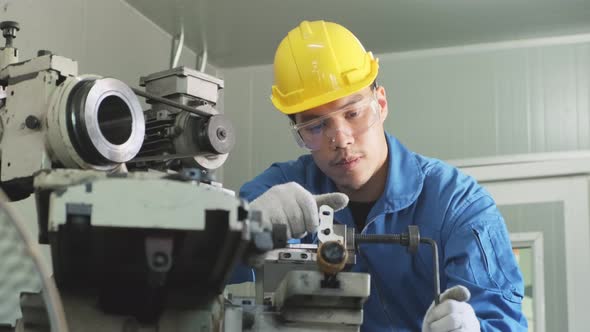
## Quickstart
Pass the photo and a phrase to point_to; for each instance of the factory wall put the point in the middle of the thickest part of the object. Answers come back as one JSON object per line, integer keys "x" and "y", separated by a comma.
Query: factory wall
{"x": 500, "y": 99}
{"x": 454, "y": 103}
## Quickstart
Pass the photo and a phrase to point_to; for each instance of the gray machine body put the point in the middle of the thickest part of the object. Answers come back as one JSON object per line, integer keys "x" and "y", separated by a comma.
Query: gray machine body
{"x": 148, "y": 250}
{"x": 168, "y": 128}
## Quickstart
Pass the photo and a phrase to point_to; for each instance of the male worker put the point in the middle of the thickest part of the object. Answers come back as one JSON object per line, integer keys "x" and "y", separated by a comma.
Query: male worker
{"x": 325, "y": 81}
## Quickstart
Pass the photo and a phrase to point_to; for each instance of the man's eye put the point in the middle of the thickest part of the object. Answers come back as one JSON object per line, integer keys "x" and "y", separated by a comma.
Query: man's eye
{"x": 315, "y": 129}
{"x": 353, "y": 114}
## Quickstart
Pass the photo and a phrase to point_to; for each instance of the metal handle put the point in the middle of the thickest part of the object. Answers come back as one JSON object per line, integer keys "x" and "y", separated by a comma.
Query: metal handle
{"x": 410, "y": 240}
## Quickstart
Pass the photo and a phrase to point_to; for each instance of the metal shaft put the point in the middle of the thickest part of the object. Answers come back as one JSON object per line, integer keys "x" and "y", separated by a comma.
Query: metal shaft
{"x": 171, "y": 103}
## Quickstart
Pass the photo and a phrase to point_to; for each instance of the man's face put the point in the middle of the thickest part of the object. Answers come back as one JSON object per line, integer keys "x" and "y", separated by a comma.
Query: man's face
{"x": 348, "y": 156}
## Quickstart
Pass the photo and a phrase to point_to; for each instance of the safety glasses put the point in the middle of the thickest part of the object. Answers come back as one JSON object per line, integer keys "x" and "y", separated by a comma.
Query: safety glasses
{"x": 353, "y": 120}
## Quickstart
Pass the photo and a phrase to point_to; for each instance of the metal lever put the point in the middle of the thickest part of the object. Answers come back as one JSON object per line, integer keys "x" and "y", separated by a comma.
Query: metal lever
{"x": 411, "y": 240}
{"x": 326, "y": 229}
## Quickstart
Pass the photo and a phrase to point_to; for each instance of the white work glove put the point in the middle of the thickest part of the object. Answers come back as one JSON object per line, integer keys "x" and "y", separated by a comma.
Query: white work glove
{"x": 453, "y": 313}
{"x": 291, "y": 204}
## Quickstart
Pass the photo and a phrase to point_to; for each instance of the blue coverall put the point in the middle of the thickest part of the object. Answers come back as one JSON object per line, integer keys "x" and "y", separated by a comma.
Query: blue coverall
{"x": 449, "y": 207}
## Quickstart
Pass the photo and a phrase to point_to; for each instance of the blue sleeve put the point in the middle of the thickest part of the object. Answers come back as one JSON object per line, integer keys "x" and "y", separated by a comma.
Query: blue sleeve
{"x": 261, "y": 183}
{"x": 478, "y": 254}
{"x": 250, "y": 191}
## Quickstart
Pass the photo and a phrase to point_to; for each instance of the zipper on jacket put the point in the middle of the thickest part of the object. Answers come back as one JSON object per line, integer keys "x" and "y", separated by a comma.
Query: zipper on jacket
{"x": 483, "y": 252}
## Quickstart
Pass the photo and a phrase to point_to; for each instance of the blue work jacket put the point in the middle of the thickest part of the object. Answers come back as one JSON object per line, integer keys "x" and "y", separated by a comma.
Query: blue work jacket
{"x": 447, "y": 206}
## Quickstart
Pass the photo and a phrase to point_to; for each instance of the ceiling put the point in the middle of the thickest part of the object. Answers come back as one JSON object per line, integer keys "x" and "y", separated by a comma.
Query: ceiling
{"x": 246, "y": 32}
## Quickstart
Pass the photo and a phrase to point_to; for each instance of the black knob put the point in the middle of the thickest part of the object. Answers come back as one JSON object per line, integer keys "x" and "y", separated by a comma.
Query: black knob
{"x": 43, "y": 52}
{"x": 32, "y": 122}
{"x": 9, "y": 29}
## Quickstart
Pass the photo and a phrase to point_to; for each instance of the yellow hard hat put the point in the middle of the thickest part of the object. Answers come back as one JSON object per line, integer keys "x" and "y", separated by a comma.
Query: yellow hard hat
{"x": 319, "y": 62}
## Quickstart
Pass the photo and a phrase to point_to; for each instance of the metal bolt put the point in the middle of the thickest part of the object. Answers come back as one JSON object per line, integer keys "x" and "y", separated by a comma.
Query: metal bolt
{"x": 326, "y": 231}
{"x": 32, "y": 122}
{"x": 9, "y": 29}
{"x": 176, "y": 131}
{"x": 160, "y": 259}
{"x": 221, "y": 133}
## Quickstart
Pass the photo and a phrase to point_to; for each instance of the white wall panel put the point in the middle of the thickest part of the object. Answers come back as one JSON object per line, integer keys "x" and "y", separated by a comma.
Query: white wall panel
{"x": 464, "y": 102}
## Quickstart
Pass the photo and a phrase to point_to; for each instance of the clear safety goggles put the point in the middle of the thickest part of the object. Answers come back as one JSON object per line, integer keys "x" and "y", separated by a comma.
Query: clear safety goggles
{"x": 351, "y": 120}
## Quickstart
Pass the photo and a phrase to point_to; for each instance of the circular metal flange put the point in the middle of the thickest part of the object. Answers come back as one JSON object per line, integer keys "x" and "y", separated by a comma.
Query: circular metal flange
{"x": 189, "y": 142}
{"x": 94, "y": 122}
{"x": 218, "y": 134}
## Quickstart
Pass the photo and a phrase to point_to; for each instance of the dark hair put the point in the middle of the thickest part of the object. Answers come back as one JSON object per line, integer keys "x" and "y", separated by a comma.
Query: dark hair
{"x": 373, "y": 88}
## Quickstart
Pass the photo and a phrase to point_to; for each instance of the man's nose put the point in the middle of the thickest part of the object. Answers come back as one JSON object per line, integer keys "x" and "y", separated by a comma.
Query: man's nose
{"x": 341, "y": 137}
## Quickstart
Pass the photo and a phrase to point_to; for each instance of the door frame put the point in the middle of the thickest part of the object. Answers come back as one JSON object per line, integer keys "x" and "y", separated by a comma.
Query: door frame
{"x": 534, "y": 240}
{"x": 548, "y": 177}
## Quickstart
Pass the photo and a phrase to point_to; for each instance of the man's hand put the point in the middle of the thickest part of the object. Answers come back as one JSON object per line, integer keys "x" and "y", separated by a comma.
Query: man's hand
{"x": 453, "y": 313}
{"x": 291, "y": 204}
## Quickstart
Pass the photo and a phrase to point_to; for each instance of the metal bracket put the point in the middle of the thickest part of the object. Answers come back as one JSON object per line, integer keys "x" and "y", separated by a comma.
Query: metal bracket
{"x": 326, "y": 229}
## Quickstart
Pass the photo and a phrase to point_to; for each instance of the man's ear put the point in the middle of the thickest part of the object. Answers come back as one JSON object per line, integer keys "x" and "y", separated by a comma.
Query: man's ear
{"x": 382, "y": 101}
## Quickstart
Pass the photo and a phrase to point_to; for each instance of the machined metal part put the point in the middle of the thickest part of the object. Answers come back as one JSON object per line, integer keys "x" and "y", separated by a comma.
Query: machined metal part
{"x": 300, "y": 298}
{"x": 279, "y": 262}
{"x": 209, "y": 140}
{"x": 94, "y": 123}
{"x": 20, "y": 70}
{"x": 326, "y": 230}
{"x": 64, "y": 120}
{"x": 296, "y": 254}
{"x": 301, "y": 304}
{"x": 9, "y": 29}
{"x": 8, "y": 53}
{"x": 331, "y": 257}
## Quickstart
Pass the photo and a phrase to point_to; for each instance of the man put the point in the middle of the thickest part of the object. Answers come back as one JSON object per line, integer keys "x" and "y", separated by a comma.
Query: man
{"x": 325, "y": 81}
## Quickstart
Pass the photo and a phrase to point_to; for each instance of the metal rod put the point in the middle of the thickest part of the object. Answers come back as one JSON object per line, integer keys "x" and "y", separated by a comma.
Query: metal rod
{"x": 178, "y": 51}
{"x": 435, "y": 267}
{"x": 171, "y": 103}
{"x": 377, "y": 238}
{"x": 163, "y": 157}
{"x": 397, "y": 239}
